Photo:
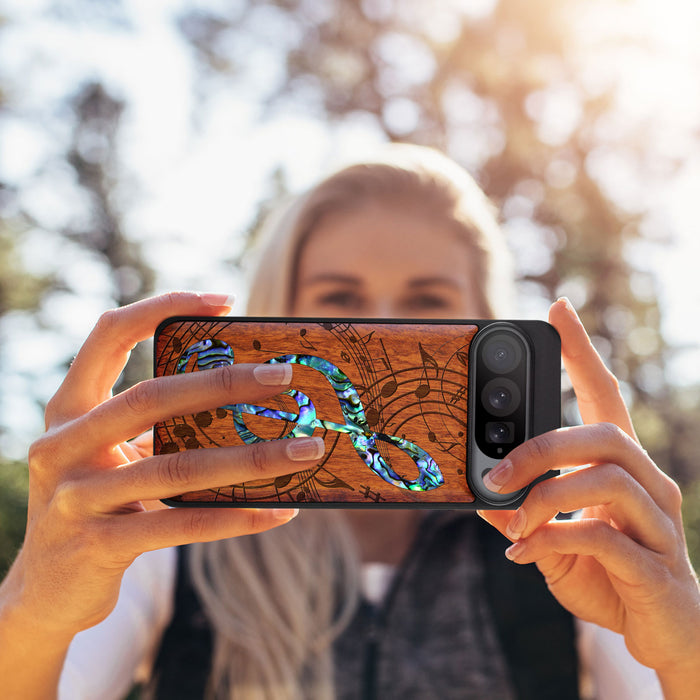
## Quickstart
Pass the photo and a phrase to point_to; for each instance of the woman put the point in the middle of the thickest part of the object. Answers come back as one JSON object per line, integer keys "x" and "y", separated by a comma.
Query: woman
{"x": 412, "y": 236}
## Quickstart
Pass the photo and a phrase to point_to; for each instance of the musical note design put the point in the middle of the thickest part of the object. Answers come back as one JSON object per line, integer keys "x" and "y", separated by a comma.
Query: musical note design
{"x": 457, "y": 396}
{"x": 429, "y": 362}
{"x": 304, "y": 342}
{"x": 213, "y": 353}
{"x": 390, "y": 386}
{"x": 367, "y": 492}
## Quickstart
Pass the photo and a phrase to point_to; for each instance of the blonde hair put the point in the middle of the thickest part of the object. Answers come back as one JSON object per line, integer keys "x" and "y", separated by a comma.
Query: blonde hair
{"x": 277, "y": 600}
{"x": 404, "y": 175}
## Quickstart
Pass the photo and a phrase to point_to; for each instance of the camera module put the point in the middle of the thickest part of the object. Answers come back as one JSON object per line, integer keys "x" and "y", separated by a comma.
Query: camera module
{"x": 500, "y": 389}
{"x": 505, "y": 401}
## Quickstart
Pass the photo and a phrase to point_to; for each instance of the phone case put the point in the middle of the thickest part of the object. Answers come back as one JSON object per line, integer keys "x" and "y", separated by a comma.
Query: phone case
{"x": 389, "y": 398}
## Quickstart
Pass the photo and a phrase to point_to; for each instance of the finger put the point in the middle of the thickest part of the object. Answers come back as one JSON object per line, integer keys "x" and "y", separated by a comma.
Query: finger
{"x": 131, "y": 452}
{"x": 596, "y": 388}
{"x": 141, "y": 406}
{"x": 614, "y": 550}
{"x": 579, "y": 445}
{"x": 606, "y": 486}
{"x": 497, "y": 518}
{"x": 141, "y": 532}
{"x": 142, "y": 445}
{"x": 102, "y": 357}
{"x": 165, "y": 476}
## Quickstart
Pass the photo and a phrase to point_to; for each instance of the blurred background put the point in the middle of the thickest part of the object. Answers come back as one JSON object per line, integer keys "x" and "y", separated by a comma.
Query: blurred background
{"x": 140, "y": 142}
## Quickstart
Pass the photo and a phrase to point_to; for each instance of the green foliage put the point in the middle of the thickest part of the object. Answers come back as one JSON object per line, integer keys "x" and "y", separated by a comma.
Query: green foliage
{"x": 14, "y": 484}
{"x": 18, "y": 289}
{"x": 691, "y": 521}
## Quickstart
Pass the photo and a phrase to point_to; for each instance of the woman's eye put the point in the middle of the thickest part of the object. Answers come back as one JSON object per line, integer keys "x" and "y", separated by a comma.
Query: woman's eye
{"x": 341, "y": 299}
{"x": 427, "y": 302}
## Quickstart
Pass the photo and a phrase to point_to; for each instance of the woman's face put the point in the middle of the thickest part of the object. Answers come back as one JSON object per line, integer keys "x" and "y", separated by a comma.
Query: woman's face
{"x": 385, "y": 261}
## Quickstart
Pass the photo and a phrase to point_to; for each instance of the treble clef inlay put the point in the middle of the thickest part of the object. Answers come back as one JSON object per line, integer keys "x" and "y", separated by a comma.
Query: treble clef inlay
{"x": 212, "y": 353}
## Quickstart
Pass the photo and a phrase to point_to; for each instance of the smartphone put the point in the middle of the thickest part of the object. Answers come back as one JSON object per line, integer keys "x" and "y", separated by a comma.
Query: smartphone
{"x": 413, "y": 413}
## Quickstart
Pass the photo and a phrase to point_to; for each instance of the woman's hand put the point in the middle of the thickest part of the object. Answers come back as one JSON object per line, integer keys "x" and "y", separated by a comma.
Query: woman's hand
{"x": 88, "y": 513}
{"x": 623, "y": 564}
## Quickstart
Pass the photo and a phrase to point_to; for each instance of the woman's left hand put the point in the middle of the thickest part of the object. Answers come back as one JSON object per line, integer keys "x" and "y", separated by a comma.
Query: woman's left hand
{"x": 623, "y": 564}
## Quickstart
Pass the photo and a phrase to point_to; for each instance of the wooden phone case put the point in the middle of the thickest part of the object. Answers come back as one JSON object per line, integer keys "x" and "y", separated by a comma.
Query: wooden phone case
{"x": 388, "y": 398}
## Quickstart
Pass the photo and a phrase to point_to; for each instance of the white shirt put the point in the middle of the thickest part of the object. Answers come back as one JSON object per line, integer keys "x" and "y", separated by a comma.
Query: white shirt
{"x": 105, "y": 661}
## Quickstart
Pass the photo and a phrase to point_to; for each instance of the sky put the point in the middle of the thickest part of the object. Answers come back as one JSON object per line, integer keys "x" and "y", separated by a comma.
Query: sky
{"x": 192, "y": 190}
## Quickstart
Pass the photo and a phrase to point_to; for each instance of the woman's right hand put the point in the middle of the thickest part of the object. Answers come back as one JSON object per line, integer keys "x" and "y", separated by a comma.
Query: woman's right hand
{"x": 88, "y": 516}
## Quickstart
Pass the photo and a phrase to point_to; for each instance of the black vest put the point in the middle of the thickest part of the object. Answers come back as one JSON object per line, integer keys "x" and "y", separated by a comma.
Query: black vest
{"x": 534, "y": 635}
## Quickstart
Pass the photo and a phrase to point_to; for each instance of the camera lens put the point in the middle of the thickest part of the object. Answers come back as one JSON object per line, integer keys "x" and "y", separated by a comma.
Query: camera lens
{"x": 502, "y": 353}
{"x": 499, "y": 432}
{"x": 500, "y": 396}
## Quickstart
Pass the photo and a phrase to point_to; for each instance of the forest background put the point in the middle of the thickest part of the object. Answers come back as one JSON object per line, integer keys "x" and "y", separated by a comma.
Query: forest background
{"x": 140, "y": 143}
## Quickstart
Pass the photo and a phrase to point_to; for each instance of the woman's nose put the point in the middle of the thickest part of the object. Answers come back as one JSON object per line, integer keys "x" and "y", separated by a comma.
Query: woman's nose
{"x": 383, "y": 307}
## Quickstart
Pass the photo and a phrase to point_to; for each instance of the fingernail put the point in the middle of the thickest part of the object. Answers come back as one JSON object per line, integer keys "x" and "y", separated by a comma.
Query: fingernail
{"x": 285, "y": 514}
{"x": 273, "y": 375}
{"x": 515, "y": 550}
{"x": 569, "y": 306}
{"x": 218, "y": 299}
{"x": 306, "y": 448}
{"x": 499, "y": 476}
{"x": 517, "y": 525}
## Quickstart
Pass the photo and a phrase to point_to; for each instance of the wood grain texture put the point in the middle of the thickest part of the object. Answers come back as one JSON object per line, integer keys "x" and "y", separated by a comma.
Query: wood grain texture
{"x": 411, "y": 381}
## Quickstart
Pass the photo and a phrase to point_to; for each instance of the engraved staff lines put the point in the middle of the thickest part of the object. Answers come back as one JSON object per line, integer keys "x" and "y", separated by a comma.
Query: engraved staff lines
{"x": 394, "y": 398}
{"x": 414, "y": 399}
{"x": 179, "y": 430}
{"x": 170, "y": 347}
